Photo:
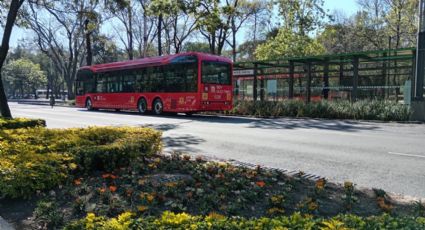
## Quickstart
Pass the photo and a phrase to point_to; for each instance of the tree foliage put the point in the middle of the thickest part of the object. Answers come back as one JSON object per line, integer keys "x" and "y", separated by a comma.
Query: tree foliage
{"x": 302, "y": 16}
{"x": 24, "y": 76}
{"x": 289, "y": 44}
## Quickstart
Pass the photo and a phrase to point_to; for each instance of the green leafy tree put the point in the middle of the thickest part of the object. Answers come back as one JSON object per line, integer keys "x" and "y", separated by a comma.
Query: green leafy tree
{"x": 302, "y": 16}
{"x": 401, "y": 21}
{"x": 346, "y": 35}
{"x": 197, "y": 47}
{"x": 179, "y": 21}
{"x": 24, "y": 76}
{"x": 289, "y": 44}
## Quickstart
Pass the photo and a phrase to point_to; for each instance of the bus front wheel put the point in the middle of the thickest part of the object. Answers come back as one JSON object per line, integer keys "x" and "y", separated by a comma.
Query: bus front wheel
{"x": 89, "y": 104}
{"x": 158, "y": 106}
{"x": 141, "y": 106}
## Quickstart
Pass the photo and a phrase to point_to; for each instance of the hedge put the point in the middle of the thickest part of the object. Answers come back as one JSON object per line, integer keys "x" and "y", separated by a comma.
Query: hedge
{"x": 18, "y": 123}
{"x": 170, "y": 220}
{"x": 33, "y": 159}
{"x": 361, "y": 110}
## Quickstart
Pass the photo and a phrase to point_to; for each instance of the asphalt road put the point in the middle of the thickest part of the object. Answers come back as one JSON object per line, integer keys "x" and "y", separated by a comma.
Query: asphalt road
{"x": 389, "y": 156}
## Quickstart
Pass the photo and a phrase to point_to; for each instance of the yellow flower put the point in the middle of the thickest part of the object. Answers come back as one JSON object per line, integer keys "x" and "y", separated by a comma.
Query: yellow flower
{"x": 216, "y": 216}
{"x": 142, "y": 181}
{"x": 175, "y": 219}
{"x": 150, "y": 198}
{"x": 275, "y": 211}
{"x": 72, "y": 166}
{"x": 142, "y": 208}
{"x": 277, "y": 199}
{"x": 171, "y": 184}
{"x": 313, "y": 206}
{"x": 348, "y": 184}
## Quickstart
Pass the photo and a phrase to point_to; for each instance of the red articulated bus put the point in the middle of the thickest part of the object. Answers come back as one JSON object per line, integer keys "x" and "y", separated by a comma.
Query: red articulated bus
{"x": 187, "y": 83}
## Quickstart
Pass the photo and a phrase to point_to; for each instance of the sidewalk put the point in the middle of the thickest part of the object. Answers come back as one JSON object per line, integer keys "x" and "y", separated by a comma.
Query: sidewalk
{"x": 4, "y": 225}
{"x": 40, "y": 102}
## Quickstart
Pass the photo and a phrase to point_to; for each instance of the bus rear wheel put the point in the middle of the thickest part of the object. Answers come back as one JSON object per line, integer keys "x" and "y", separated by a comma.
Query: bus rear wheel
{"x": 141, "y": 106}
{"x": 158, "y": 107}
{"x": 89, "y": 104}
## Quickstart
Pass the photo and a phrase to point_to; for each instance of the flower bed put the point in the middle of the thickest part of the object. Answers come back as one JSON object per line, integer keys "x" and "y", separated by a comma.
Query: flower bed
{"x": 170, "y": 220}
{"x": 34, "y": 159}
{"x": 361, "y": 110}
{"x": 181, "y": 184}
{"x": 118, "y": 180}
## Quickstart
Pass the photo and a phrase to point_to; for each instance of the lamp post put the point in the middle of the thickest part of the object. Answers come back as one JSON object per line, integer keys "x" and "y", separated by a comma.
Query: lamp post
{"x": 420, "y": 54}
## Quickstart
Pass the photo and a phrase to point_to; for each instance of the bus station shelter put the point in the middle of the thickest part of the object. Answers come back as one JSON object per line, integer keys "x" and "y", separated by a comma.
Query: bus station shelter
{"x": 383, "y": 74}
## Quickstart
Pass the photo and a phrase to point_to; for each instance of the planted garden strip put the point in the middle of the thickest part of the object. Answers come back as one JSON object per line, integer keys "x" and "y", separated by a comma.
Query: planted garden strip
{"x": 21, "y": 123}
{"x": 361, "y": 110}
{"x": 117, "y": 179}
{"x": 169, "y": 220}
{"x": 34, "y": 159}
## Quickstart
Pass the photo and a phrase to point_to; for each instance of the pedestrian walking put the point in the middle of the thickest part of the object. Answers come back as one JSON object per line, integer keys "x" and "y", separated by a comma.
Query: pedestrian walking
{"x": 52, "y": 101}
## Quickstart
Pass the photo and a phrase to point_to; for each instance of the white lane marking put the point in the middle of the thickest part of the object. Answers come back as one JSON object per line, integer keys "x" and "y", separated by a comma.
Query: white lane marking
{"x": 406, "y": 155}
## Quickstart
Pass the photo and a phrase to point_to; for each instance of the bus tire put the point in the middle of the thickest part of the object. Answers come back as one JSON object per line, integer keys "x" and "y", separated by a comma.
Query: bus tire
{"x": 158, "y": 107}
{"x": 142, "y": 106}
{"x": 89, "y": 104}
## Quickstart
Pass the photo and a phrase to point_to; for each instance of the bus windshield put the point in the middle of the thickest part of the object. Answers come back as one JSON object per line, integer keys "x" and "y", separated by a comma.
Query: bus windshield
{"x": 216, "y": 73}
{"x": 85, "y": 82}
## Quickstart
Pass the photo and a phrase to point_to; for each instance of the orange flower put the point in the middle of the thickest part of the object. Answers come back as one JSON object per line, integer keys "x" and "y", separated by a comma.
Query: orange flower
{"x": 113, "y": 176}
{"x": 320, "y": 184}
{"x": 112, "y": 188}
{"x": 129, "y": 192}
{"x": 260, "y": 183}
{"x": 77, "y": 181}
{"x": 102, "y": 190}
{"x": 106, "y": 175}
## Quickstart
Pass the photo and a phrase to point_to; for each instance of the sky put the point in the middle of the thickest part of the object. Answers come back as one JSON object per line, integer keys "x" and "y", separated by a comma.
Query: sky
{"x": 347, "y": 6}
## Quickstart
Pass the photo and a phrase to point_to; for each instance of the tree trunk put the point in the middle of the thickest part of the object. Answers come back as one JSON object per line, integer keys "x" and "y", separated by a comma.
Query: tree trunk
{"x": 145, "y": 34}
{"x": 234, "y": 41}
{"x": 130, "y": 33}
{"x": 69, "y": 87}
{"x": 89, "y": 59}
{"x": 4, "y": 49}
{"x": 159, "y": 35}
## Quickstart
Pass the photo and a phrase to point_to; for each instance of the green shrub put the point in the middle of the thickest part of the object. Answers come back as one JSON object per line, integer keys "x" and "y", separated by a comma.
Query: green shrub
{"x": 361, "y": 110}
{"x": 18, "y": 123}
{"x": 38, "y": 158}
{"x": 170, "y": 220}
{"x": 49, "y": 214}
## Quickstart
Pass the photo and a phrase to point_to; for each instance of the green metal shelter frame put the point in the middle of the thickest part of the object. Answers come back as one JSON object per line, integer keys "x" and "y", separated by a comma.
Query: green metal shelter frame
{"x": 372, "y": 75}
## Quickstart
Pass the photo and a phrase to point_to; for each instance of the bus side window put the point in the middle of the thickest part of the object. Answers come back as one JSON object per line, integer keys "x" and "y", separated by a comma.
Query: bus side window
{"x": 156, "y": 79}
{"x": 146, "y": 80}
{"x": 101, "y": 83}
{"x": 128, "y": 81}
{"x": 191, "y": 78}
{"x": 139, "y": 80}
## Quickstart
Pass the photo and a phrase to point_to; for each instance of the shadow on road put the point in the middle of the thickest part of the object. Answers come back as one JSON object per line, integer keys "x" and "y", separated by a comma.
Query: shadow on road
{"x": 260, "y": 123}
{"x": 182, "y": 143}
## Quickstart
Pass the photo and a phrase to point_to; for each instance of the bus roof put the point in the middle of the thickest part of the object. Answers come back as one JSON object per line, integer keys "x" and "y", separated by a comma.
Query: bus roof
{"x": 150, "y": 61}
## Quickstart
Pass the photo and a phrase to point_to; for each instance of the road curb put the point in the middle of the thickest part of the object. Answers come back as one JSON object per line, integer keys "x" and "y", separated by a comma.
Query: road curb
{"x": 4, "y": 225}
